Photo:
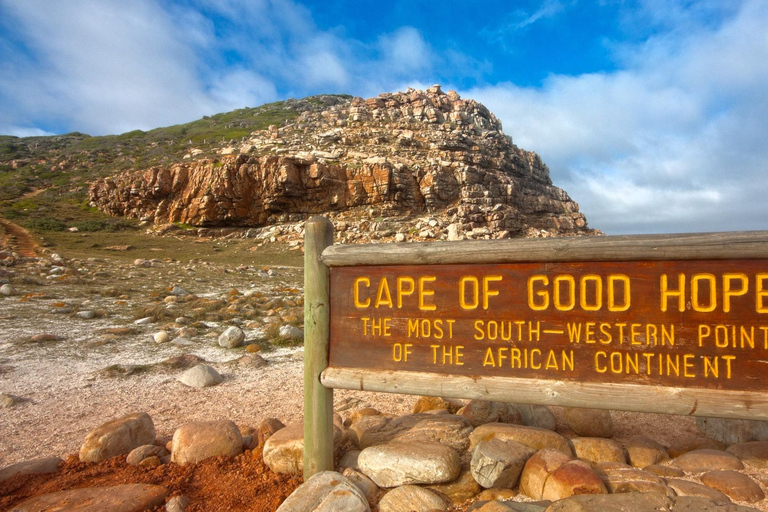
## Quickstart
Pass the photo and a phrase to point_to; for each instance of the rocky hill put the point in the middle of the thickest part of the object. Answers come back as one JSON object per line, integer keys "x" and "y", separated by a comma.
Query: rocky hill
{"x": 414, "y": 164}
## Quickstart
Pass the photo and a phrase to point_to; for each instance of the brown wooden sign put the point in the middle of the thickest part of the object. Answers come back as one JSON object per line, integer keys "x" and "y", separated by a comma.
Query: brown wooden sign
{"x": 694, "y": 324}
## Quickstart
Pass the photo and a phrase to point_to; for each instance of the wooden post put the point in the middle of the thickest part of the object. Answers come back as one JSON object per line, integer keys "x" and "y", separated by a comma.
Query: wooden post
{"x": 318, "y": 400}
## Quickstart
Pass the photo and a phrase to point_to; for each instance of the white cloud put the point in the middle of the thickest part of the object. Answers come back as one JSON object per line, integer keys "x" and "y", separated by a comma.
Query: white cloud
{"x": 673, "y": 142}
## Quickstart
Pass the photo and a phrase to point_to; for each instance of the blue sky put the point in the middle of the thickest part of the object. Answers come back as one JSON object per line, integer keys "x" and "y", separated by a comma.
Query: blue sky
{"x": 652, "y": 114}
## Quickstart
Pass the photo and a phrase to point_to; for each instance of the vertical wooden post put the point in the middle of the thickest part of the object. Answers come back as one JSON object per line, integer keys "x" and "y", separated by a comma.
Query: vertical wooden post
{"x": 318, "y": 400}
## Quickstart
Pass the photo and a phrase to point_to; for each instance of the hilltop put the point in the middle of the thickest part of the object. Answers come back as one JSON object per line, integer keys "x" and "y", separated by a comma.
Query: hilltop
{"x": 414, "y": 165}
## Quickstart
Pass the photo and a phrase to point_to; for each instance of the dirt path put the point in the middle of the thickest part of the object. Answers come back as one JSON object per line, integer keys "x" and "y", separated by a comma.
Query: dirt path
{"x": 19, "y": 239}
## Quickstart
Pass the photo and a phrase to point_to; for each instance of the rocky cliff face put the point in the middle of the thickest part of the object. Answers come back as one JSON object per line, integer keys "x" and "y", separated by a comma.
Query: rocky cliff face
{"x": 402, "y": 155}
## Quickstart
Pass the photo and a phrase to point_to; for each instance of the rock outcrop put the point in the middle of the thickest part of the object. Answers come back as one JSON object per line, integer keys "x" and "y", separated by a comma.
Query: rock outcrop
{"x": 398, "y": 155}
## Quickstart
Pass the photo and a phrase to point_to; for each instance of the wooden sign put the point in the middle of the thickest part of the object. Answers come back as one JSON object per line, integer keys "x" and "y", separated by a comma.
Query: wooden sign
{"x": 674, "y": 324}
{"x": 665, "y": 323}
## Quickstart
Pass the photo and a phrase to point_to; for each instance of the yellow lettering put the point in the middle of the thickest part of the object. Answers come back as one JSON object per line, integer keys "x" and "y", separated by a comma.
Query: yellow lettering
{"x": 679, "y": 293}
{"x": 612, "y": 280}
{"x": 598, "y": 368}
{"x": 697, "y": 306}
{"x": 383, "y": 297}
{"x": 475, "y": 284}
{"x": 423, "y": 292}
{"x": 542, "y": 294}
{"x": 729, "y": 291}
{"x": 356, "y": 292}
{"x": 401, "y": 290}
{"x": 761, "y": 293}
{"x": 571, "y": 292}
{"x": 598, "y": 293}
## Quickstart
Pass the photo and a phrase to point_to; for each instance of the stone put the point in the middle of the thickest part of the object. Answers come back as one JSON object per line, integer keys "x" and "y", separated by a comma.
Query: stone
{"x": 31, "y": 467}
{"x": 140, "y": 453}
{"x": 251, "y": 361}
{"x": 495, "y": 494}
{"x": 498, "y": 463}
{"x": 622, "y": 478}
{"x": 232, "y": 337}
{"x": 643, "y": 451}
{"x": 533, "y": 437}
{"x": 664, "y": 471}
{"x": 178, "y": 291}
{"x": 326, "y": 491}
{"x": 598, "y": 449}
{"x": 290, "y": 332}
{"x": 479, "y": 412}
{"x": 688, "y": 488}
{"x": 349, "y": 460}
{"x": 460, "y": 490}
{"x": 359, "y": 413}
{"x": 698, "y": 461}
{"x": 412, "y": 498}
{"x": 120, "y": 498}
{"x": 731, "y": 431}
{"x": 737, "y": 486}
{"x": 753, "y": 453}
{"x": 448, "y": 429}
{"x": 7, "y": 400}
{"x": 177, "y": 504}
{"x": 538, "y": 468}
{"x": 367, "y": 486}
{"x": 638, "y": 502}
{"x": 86, "y": 315}
{"x": 161, "y": 337}
{"x": 284, "y": 450}
{"x": 8, "y": 290}
{"x": 589, "y": 422}
{"x": 201, "y": 376}
{"x": 688, "y": 444}
{"x": 431, "y": 403}
{"x": 573, "y": 477}
{"x": 537, "y": 416}
{"x": 117, "y": 437}
{"x": 199, "y": 440}
{"x": 404, "y": 463}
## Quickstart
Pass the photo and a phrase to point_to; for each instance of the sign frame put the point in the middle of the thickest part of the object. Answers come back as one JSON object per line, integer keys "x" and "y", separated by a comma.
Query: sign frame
{"x": 320, "y": 258}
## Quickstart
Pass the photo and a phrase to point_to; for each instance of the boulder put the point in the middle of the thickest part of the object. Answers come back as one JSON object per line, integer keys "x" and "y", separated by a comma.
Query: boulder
{"x": 753, "y": 453}
{"x": 201, "y": 376}
{"x": 367, "y": 486}
{"x": 118, "y": 437}
{"x": 538, "y": 468}
{"x": 431, "y": 403}
{"x": 589, "y": 422}
{"x": 412, "y": 498}
{"x": 737, "y": 486}
{"x": 284, "y": 450}
{"x": 533, "y": 437}
{"x": 403, "y": 463}
{"x": 688, "y": 488}
{"x": 327, "y": 491}
{"x": 498, "y": 463}
{"x": 537, "y": 416}
{"x": 643, "y": 451}
{"x": 699, "y": 461}
{"x": 572, "y": 478}
{"x": 479, "y": 412}
{"x": 267, "y": 428}
{"x": 638, "y": 502}
{"x": 448, "y": 429}
{"x": 232, "y": 337}
{"x": 31, "y": 467}
{"x": 598, "y": 449}
{"x": 141, "y": 453}
{"x": 120, "y": 498}
{"x": 622, "y": 478}
{"x": 689, "y": 444}
{"x": 199, "y": 440}
{"x": 460, "y": 490}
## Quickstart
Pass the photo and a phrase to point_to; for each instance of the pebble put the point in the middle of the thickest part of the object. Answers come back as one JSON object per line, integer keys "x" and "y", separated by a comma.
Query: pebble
{"x": 290, "y": 332}
{"x": 117, "y": 437}
{"x": 144, "y": 321}
{"x": 86, "y": 315}
{"x": 7, "y": 400}
{"x": 161, "y": 337}
{"x": 177, "y": 504}
{"x": 8, "y": 290}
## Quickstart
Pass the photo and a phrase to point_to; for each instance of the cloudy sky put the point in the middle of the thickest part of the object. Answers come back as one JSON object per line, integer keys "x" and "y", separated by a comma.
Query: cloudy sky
{"x": 652, "y": 114}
